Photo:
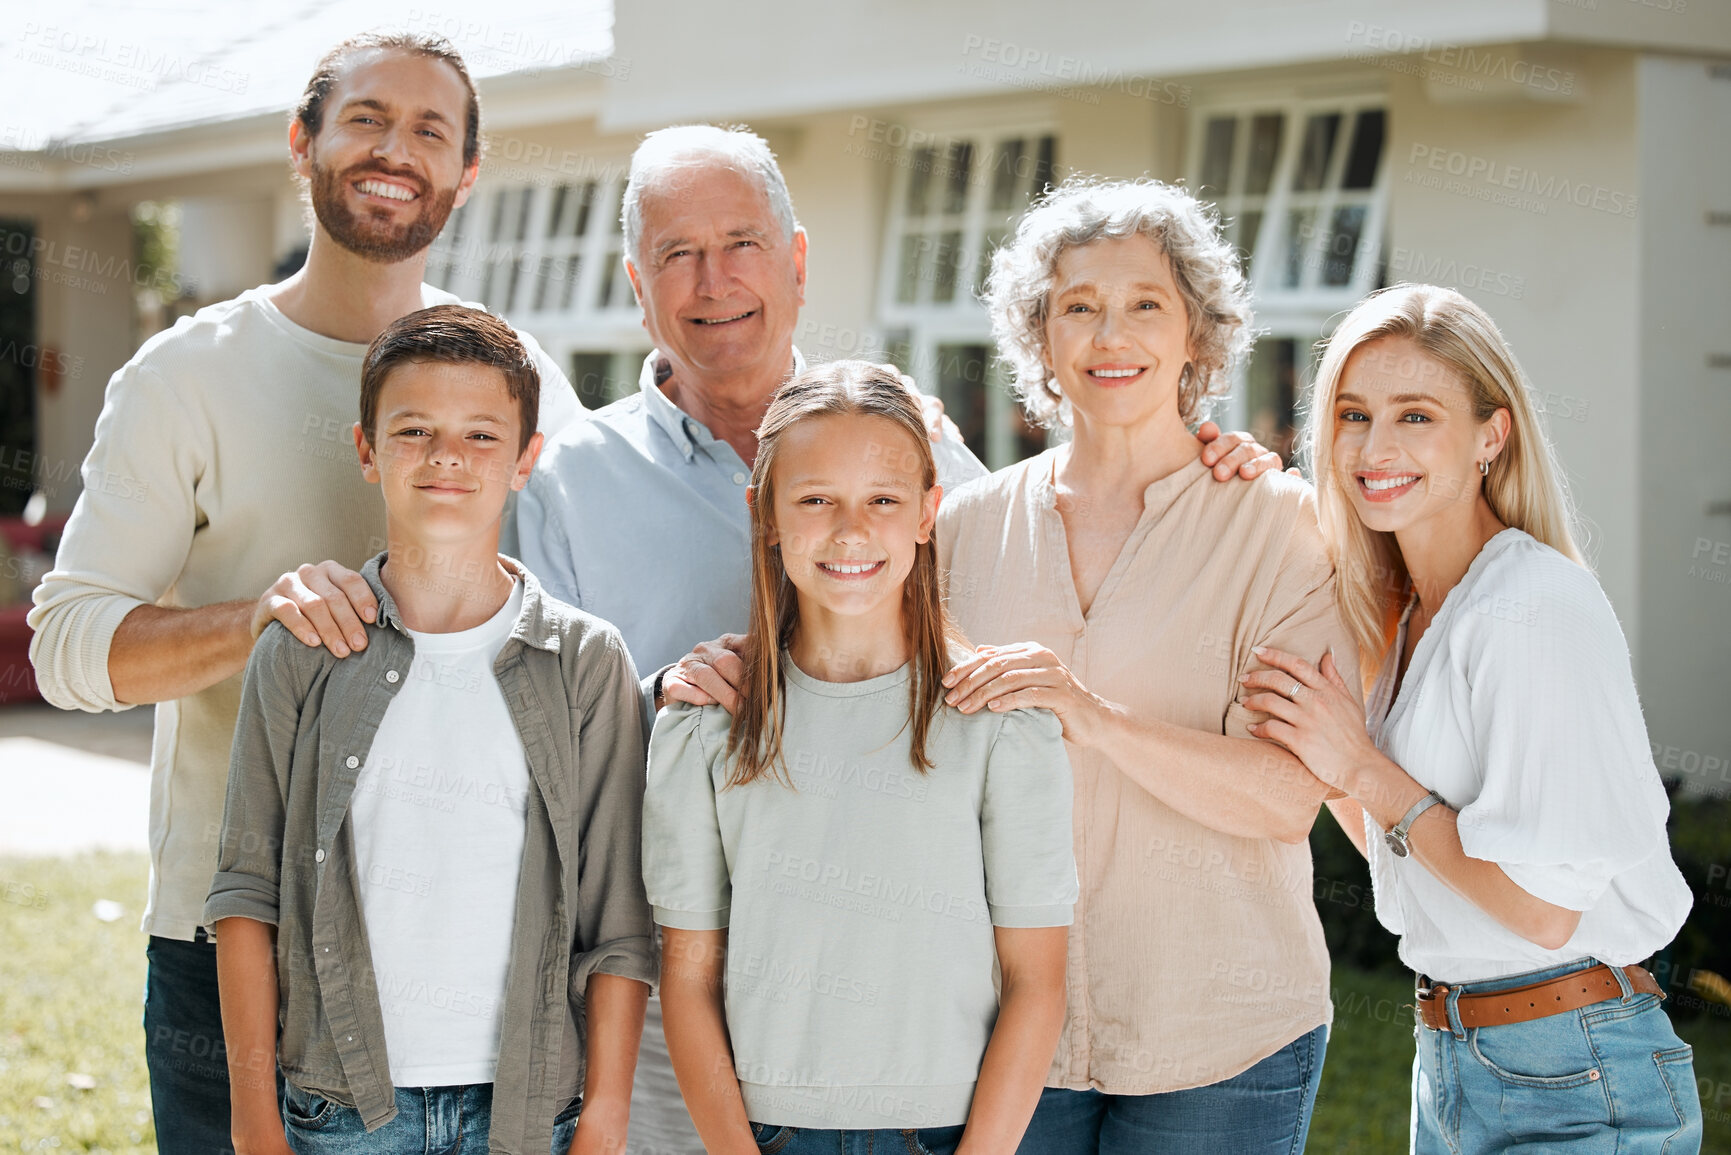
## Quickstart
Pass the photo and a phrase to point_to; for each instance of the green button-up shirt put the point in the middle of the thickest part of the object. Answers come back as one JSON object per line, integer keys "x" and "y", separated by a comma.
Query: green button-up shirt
{"x": 286, "y": 858}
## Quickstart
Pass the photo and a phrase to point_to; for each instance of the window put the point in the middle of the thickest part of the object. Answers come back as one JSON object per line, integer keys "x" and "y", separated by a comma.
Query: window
{"x": 954, "y": 201}
{"x": 1302, "y": 191}
{"x": 547, "y": 256}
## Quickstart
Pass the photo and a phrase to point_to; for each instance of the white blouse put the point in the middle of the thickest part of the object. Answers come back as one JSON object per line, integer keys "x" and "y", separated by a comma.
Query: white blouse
{"x": 1519, "y": 708}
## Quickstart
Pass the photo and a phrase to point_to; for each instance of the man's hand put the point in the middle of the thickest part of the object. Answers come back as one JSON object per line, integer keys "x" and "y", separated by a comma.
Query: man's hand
{"x": 938, "y": 426}
{"x": 711, "y": 674}
{"x": 1235, "y": 453}
{"x": 321, "y": 604}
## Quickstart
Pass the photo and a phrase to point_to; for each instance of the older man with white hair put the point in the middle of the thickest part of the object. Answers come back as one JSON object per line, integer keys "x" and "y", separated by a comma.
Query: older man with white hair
{"x": 638, "y": 515}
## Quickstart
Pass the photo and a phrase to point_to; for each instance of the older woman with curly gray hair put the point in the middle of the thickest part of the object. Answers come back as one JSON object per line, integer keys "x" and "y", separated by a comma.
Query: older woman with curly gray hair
{"x": 1123, "y": 590}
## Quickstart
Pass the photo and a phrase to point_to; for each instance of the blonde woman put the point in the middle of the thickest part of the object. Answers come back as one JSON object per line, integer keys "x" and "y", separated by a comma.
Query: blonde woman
{"x": 1504, "y": 793}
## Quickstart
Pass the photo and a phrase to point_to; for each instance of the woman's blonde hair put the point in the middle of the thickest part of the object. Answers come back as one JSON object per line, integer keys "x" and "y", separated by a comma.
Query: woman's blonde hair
{"x": 839, "y": 388}
{"x": 1524, "y": 486}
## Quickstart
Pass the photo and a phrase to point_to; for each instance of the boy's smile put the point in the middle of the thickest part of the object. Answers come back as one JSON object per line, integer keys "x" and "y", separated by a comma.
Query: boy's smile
{"x": 445, "y": 450}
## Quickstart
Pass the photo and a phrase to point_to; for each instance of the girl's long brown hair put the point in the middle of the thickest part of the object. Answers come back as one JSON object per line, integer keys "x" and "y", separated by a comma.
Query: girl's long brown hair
{"x": 840, "y": 388}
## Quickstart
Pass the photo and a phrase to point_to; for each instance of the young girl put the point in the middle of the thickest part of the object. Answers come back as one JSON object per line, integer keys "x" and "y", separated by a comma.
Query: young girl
{"x": 1505, "y": 795}
{"x": 837, "y": 864}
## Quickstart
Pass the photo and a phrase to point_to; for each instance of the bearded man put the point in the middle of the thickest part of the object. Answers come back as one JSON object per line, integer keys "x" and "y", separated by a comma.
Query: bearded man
{"x": 233, "y": 429}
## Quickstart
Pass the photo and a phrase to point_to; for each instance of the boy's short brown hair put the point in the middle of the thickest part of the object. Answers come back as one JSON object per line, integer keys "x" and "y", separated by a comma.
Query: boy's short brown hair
{"x": 452, "y": 335}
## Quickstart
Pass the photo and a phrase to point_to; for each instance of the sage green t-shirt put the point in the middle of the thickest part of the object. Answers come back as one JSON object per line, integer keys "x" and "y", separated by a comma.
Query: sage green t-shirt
{"x": 860, "y": 901}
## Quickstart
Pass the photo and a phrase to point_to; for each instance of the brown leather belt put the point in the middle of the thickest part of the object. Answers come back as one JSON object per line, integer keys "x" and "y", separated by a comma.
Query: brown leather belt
{"x": 1568, "y": 992}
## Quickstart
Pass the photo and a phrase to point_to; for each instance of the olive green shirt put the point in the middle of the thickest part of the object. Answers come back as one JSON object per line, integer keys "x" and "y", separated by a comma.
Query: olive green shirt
{"x": 286, "y": 853}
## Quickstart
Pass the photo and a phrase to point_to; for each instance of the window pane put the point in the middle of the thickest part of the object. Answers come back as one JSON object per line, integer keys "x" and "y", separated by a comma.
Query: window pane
{"x": 568, "y": 283}
{"x": 1045, "y": 167}
{"x": 1249, "y": 224}
{"x": 544, "y": 277}
{"x": 1361, "y": 162}
{"x": 615, "y": 288}
{"x": 1266, "y": 133}
{"x": 1300, "y": 223}
{"x": 1008, "y": 167}
{"x": 920, "y": 180}
{"x": 591, "y": 377}
{"x": 1342, "y": 247}
{"x": 899, "y": 349}
{"x": 585, "y": 201}
{"x": 1270, "y": 392}
{"x": 556, "y": 211}
{"x": 914, "y": 248}
{"x": 521, "y": 212}
{"x": 990, "y": 241}
{"x": 961, "y": 166}
{"x": 944, "y": 266}
{"x": 962, "y": 387}
{"x": 1222, "y": 131}
{"x": 1319, "y": 134}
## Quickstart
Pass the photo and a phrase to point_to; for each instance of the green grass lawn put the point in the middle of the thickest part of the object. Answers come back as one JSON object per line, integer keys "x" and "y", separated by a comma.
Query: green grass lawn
{"x": 71, "y": 1003}
{"x": 71, "y": 991}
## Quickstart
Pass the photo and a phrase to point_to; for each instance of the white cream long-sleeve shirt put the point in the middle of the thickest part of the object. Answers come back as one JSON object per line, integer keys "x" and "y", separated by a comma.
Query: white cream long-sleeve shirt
{"x": 1519, "y": 708}
{"x": 223, "y": 458}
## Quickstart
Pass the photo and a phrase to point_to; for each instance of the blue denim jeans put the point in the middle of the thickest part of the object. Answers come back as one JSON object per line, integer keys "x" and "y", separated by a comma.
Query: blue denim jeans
{"x": 1261, "y": 1111}
{"x": 183, "y": 1048}
{"x": 774, "y": 1139}
{"x": 430, "y": 1121}
{"x": 1612, "y": 1077}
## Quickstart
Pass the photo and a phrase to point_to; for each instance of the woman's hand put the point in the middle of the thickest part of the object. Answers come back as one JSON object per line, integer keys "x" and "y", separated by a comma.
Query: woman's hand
{"x": 1312, "y": 713}
{"x": 710, "y": 675}
{"x": 1025, "y": 674}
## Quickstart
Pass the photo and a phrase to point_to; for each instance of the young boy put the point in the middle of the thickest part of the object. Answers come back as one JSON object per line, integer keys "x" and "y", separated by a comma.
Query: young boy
{"x": 441, "y": 831}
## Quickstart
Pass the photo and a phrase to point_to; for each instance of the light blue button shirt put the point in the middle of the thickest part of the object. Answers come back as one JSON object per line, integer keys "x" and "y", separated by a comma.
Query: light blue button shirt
{"x": 638, "y": 516}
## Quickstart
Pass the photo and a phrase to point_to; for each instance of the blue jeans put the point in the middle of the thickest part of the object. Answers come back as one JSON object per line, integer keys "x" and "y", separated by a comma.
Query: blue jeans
{"x": 184, "y": 1050}
{"x": 1612, "y": 1077}
{"x": 430, "y": 1121}
{"x": 774, "y": 1139}
{"x": 1262, "y": 1111}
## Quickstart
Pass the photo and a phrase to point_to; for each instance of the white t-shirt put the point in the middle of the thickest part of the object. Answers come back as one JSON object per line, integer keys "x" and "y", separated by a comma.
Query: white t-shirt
{"x": 439, "y": 814}
{"x": 1519, "y": 708}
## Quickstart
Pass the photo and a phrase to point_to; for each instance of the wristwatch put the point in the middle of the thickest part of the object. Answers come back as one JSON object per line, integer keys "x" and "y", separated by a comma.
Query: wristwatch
{"x": 1396, "y": 838}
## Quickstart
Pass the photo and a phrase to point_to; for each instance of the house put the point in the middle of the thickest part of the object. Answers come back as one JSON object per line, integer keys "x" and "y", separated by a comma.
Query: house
{"x": 1566, "y": 163}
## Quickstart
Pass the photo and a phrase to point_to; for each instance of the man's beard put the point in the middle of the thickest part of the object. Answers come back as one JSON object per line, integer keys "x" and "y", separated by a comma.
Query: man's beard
{"x": 366, "y": 235}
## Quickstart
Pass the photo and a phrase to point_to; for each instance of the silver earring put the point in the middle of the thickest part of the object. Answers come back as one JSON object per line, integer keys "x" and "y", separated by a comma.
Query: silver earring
{"x": 1485, "y": 467}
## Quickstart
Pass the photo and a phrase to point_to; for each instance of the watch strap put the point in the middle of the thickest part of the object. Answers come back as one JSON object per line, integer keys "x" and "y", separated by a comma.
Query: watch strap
{"x": 1397, "y": 838}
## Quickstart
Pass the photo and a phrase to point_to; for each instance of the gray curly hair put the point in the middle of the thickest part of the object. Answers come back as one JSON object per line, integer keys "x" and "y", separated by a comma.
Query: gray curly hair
{"x": 1083, "y": 210}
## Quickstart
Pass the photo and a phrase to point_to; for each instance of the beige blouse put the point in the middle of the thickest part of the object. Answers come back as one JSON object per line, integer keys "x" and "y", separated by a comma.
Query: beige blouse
{"x": 1194, "y": 954}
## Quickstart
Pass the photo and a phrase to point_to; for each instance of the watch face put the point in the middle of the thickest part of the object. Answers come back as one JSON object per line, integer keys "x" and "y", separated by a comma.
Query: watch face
{"x": 1396, "y": 846}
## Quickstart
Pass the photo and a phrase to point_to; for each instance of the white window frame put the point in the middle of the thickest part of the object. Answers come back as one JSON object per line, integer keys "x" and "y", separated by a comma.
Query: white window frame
{"x": 1303, "y": 314}
{"x": 963, "y": 319}
{"x": 586, "y": 325}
